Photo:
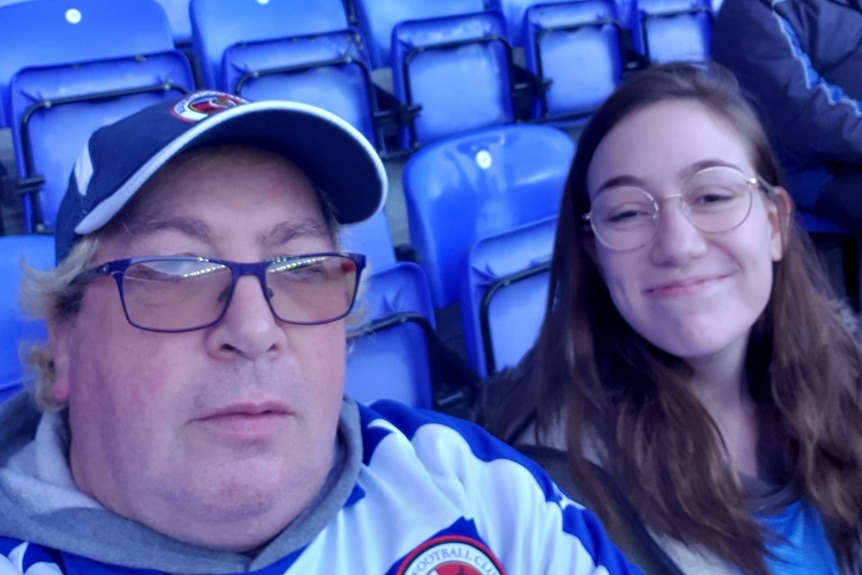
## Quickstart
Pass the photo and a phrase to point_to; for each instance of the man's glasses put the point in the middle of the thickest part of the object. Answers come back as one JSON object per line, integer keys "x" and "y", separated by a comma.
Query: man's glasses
{"x": 714, "y": 200}
{"x": 183, "y": 293}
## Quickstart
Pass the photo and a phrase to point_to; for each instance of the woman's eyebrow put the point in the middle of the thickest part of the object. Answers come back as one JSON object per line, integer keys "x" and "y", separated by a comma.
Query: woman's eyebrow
{"x": 684, "y": 174}
{"x": 622, "y": 180}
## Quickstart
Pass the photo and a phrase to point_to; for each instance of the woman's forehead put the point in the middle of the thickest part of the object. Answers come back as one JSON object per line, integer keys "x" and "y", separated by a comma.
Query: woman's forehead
{"x": 664, "y": 142}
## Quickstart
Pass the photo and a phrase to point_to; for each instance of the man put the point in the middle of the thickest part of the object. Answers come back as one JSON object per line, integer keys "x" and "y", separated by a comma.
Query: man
{"x": 193, "y": 412}
{"x": 802, "y": 62}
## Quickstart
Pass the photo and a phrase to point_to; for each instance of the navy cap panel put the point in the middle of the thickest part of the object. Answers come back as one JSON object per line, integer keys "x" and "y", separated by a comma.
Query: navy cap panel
{"x": 144, "y": 135}
{"x": 64, "y": 233}
{"x": 332, "y": 159}
{"x": 121, "y": 157}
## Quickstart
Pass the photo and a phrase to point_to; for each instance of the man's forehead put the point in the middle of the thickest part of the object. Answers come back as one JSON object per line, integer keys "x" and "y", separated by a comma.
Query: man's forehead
{"x": 239, "y": 155}
{"x": 160, "y": 205}
{"x": 192, "y": 168}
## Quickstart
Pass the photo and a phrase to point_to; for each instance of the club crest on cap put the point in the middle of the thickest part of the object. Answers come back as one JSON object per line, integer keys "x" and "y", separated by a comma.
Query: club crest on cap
{"x": 200, "y": 105}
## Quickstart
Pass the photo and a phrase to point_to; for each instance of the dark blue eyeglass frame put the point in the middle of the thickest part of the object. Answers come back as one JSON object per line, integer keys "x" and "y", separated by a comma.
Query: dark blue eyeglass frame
{"x": 118, "y": 268}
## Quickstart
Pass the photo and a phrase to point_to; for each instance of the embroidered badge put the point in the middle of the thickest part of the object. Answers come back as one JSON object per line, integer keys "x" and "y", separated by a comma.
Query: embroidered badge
{"x": 451, "y": 555}
{"x": 202, "y": 104}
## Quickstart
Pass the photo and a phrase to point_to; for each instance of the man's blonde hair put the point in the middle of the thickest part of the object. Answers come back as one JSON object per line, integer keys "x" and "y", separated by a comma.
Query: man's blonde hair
{"x": 52, "y": 296}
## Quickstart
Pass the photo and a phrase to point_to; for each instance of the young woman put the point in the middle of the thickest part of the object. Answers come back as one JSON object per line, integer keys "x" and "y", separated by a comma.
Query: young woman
{"x": 692, "y": 382}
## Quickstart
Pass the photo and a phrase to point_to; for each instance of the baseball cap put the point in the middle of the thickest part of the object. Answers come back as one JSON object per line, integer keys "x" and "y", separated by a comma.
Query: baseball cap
{"x": 119, "y": 158}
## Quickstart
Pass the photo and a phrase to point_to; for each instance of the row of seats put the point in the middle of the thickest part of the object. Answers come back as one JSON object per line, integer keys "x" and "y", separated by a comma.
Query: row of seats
{"x": 435, "y": 49}
{"x": 78, "y": 64}
{"x": 483, "y": 207}
{"x": 377, "y": 18}
{"x": 69, "y": 67}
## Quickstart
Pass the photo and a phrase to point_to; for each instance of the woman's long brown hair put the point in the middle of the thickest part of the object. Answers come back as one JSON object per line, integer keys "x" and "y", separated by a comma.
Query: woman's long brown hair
{"x": 658, "y": 442}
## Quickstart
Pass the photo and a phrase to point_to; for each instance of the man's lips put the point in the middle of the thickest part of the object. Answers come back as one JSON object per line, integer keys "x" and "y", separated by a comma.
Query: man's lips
{"x": 248, "y": 409}
{"x": 247, "y": 420}
{"x": 684, "y": 286}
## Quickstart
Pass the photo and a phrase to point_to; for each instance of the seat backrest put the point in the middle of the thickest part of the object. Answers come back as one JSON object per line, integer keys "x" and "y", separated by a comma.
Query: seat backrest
{"x": 476, "y": 185}
{"x": 328, "y": 70}
{"x": 628, "y": 13}
{"x": 392, "y": 360}
{"x": 219, "y": 24}
{"x": 514, "y": 12}
{"x": 578, "y": 47}
{"x": 55, "y": 109}
{"x": 68, "y": 49}
{"x": 15, "y": 328}
{"x": 504, "y": 293}
{"x": 378, "y": 18}
{"x": 667, "y": 30}
{"x": 178, "y": 15}
{"x": 372, "y": 238}
{"x": 55, "y": 32}
{"x": 814, "y": 224}
{"x": 457, "y": 68}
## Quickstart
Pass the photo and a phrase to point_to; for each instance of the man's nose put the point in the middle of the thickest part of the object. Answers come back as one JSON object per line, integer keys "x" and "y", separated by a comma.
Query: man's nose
{"x": 249, "y": 326}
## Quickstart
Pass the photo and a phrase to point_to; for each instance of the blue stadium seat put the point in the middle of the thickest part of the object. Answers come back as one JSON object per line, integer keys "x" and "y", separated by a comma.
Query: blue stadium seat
{"x": 666, "y": 30}
{"x": 844, "y": 274}
{"x": 378, "y": 18}
{"x": 52, "y": 32}
{"x": 15, "y": 328}
{"x": 392, "y": 325}
{"x": 627, "y": 12}
{"x": 836, "y": 245}
{"x": 178, "y": 16}
{"x": 388, "y": 353}
{"x": 3, "y": 123}
{"x": 77, "y": 65}
{"x": 504, "y": 293}
{"x": 816, "y": 225}
{"x": 463, "y": 188}
{"x": 575, "y": 51}
{"x": 514, "y": 12}
{"x": 302, "y": 51}
{"x": 219, "y": 24}
{"x": 457, "y": 70}
{"x": 328, "y": 70}
{"x": 372, "y": 238}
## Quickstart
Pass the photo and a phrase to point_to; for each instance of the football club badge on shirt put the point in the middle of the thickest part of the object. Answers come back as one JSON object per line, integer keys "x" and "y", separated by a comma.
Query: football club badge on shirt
{"x": 451, "y": 555}
{"x": 203, "y": 104}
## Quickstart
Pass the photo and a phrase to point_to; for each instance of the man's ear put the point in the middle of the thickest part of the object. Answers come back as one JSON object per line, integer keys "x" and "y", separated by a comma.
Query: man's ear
{"x": 59, "y": 336}
{"x": 779, "y": 209}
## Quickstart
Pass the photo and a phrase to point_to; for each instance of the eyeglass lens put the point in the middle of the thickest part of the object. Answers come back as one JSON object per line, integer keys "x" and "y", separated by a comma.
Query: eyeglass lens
{"x": 175, "y": 294}
{"x": 714, "y": 200}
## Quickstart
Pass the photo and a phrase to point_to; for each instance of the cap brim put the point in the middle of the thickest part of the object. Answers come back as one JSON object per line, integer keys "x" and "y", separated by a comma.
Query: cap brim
{"x": 337, "y": 158}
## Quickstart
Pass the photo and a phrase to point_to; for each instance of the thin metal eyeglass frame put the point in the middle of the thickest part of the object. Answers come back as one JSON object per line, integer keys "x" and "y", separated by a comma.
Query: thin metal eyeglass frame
{"x": 117, "y": 269}
{"x": 751, "y": 183}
